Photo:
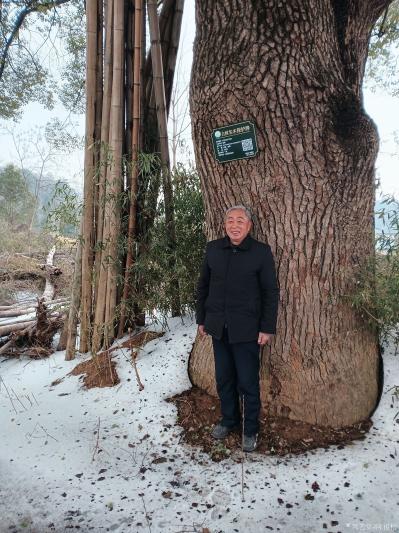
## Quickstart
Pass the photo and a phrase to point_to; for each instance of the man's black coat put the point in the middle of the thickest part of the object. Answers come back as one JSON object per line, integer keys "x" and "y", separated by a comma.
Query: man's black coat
{"x": 237, "y": 287}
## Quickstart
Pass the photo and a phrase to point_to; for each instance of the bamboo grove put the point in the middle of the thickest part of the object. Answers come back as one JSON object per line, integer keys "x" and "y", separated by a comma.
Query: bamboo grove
{"x": 128, "y": 92}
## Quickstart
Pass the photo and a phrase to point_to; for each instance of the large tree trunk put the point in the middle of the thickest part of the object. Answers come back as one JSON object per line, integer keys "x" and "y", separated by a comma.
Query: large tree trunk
{"x": 295, "y": 70}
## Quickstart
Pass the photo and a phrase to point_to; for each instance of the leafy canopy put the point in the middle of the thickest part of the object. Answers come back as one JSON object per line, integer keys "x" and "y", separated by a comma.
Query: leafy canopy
{"x": 41, "y": 54}
{"x": 382, "y": 66}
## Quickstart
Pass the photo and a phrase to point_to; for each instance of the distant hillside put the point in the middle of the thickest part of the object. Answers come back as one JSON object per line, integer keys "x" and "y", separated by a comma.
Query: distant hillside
{"x": 47, "y": 193}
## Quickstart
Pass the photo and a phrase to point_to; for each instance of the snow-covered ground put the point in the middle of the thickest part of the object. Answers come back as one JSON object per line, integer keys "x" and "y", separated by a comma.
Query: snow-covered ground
{"x": 57, "y": 473}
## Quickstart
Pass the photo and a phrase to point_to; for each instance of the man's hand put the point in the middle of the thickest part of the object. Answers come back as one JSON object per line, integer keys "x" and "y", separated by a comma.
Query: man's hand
{"x": 202, "y": 331}
{"x": 265, "y": 338}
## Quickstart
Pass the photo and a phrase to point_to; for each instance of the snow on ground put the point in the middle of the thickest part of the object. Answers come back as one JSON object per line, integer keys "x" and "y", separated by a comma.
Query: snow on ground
{"x": 56, "y": 474}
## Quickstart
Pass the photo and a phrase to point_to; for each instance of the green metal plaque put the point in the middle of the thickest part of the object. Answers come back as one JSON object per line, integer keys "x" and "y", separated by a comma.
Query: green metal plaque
{"x": 237, "y": 141}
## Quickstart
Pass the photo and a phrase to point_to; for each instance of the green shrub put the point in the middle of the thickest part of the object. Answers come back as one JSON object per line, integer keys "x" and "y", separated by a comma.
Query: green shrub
{"x": 159, "y": 268}
{"x": 63, "y": 211}
{"x": 377, "y": 293}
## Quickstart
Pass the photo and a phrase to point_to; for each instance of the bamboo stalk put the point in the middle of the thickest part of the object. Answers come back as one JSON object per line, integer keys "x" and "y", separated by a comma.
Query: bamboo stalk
{"x": 99, "y": 316}
{"x": 116, "y": 170}
{"x": 135, "y": 149}
{"x": 104, "y": 148}
{"x": 142, "y": 71}
{"x": 75, "y": 305}
{"x": 169, "y": 21}
{"x": 164, "y": 22}
{"x": 164, "y": 42}
{"x": 105, "y": 106}
{"x": 129, "y": 8}
{"x": 91, "y": 63}
{"x": 159, "y": 90}
{"x": 101, "y": 268}
{"x": 173, "y": 48}
{"x": 98, "y": 108}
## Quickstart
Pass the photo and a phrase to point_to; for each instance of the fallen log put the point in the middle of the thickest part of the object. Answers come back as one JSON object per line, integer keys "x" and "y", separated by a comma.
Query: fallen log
{"x": 10, "y": 343}
{"x": 19, "y": 305}
{"x": 28, "y": 317}
{"x": 10, "y": 328}
{"x": 36, "y": 335}
{"x": 49, "y": 289}
{"x": 18, "y": 311}
{"x": 18, "y": 326}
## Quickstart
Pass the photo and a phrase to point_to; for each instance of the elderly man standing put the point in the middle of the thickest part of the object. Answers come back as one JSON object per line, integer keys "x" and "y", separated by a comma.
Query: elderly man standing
{"x": 237, "y": 301}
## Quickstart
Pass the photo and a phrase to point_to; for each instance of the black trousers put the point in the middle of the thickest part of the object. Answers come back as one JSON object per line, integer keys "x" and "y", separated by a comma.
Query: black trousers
{"x": 237, "y": 375}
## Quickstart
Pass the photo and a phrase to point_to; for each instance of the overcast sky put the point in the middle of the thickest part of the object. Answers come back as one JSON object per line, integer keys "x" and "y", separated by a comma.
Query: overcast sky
{"x": 383, "y": 109}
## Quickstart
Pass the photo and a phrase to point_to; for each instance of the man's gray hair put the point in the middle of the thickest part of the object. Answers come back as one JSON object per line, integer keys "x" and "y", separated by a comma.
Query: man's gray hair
{"x": 247, "y": 212}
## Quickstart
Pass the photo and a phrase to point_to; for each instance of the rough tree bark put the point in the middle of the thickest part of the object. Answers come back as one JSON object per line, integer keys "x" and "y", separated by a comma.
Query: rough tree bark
{"x": 295, "y": 69}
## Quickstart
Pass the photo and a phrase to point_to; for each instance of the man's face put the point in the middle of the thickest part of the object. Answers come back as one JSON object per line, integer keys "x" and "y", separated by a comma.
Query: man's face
{"x": 237, "y": 225}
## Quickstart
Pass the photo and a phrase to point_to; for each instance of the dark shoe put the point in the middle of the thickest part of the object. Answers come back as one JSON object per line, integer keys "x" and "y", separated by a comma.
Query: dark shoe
{"x": 249, "y": 442}
{"x": 221, "y": 432}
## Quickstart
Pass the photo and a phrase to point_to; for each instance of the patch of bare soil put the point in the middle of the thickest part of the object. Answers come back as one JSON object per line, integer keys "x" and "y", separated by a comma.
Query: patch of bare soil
{"x": 100, "y": 370}
{"x": 198, "y": 412}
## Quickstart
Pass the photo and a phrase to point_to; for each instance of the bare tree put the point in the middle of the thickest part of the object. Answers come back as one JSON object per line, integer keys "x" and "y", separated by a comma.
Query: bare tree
{"x": 36, "y": 159}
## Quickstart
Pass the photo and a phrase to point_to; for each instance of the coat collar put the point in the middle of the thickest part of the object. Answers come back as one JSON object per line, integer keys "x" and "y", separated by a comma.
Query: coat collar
{"x": 244, "y": 245}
